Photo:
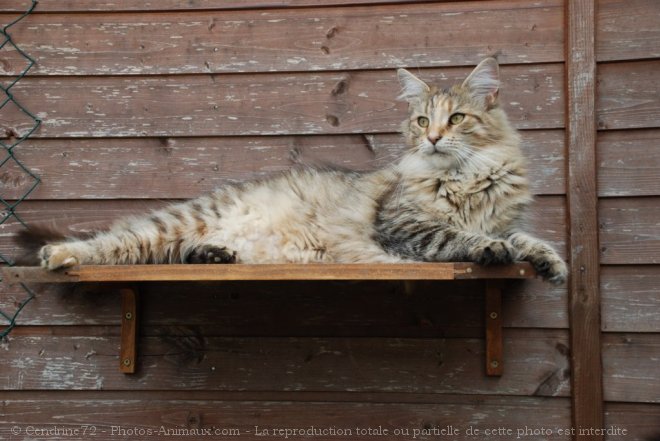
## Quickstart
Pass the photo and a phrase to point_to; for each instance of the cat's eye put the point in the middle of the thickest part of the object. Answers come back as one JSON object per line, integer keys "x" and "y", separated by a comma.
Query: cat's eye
{"x": 456, "y": 118}
{"x": 423, "y": 121}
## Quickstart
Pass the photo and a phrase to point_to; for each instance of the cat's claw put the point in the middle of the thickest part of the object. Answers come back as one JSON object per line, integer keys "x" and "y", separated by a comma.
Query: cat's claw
{"x": 55, "y": 257}
{"x": 210, "y": 254}
{"x": 495, "y": 252}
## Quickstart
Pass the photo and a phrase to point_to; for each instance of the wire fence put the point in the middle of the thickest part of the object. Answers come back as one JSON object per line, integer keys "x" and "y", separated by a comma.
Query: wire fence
{"x": 9, "y": 142}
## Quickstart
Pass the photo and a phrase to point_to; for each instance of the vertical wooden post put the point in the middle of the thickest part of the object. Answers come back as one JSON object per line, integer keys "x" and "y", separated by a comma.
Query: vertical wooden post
{"x": 584, "y": 295}
{"x": 128, "y": 342}
{"x": 494, "y": 349}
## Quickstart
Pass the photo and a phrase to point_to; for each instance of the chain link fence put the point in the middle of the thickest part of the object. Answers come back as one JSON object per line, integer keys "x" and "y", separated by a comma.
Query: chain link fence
{"x": 9, "y": 141}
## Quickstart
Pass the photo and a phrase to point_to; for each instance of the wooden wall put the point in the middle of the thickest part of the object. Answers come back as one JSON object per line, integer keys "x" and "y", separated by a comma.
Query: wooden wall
{"x": 628, "y": 156}
{"x": 147, "y": 102}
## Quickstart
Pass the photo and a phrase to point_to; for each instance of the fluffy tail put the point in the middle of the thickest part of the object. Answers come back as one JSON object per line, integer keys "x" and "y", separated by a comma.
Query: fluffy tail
{"x": 31, "y": 239}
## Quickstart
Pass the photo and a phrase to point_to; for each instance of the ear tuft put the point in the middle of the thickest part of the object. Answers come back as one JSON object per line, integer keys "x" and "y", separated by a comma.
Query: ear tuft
{"x": 412, "y": 87}
{"x": 484, "y": 82}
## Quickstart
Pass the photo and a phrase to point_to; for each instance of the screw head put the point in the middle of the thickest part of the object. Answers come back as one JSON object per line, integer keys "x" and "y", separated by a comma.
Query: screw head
{"x": 468, "y": 270}
{"x": 494, "y": 364}
{"x": 522, "y": 272}
{"x": 126, "y": 362}
{"x": 128, "y": 316}
{"x": 493, "y": 315}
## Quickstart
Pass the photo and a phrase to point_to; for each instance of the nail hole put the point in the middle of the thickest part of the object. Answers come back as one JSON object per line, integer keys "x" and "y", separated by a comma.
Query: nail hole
{"x": 332, "y": 120}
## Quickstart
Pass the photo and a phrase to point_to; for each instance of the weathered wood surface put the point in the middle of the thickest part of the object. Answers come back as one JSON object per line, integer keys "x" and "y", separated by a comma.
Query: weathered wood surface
{"x": 642, "y": 421}
{"x": 272, "y": 272}
{"x": 537, "y": 364}
{"x": 246, "y": 410}
{"x": 629, "y": 163}
{"x": 627, "y": 30}
{"x": 629, "y": 230}
{"x": 546, "y": 217}
{"x": 177, "y": 5}
{"x": 374, "y": 37}
{"x": 628, "y": 95}
{"x": 119, "y": 168}
{"x": 630, "y": 298}
{"x": 582, "y": 207}
{"x": 347, "y": 309}
{"x": 271, "y": 104}
{"x": 630, "y": 367}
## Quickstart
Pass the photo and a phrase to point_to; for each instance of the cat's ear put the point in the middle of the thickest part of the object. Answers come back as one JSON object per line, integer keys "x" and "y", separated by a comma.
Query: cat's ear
{"x": 484, "y": 82}
{"x": 411, "y": 86}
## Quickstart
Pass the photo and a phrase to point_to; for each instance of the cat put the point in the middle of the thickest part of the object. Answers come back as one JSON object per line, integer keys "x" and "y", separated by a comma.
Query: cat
{"x": 458, "y": 193}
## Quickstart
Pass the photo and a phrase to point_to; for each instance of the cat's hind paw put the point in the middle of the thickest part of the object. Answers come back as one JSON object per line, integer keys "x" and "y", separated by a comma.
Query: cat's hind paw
{"x": 53, "y": 257}
{"x": 496, "y": 251}
{"x": 210, "y": 254}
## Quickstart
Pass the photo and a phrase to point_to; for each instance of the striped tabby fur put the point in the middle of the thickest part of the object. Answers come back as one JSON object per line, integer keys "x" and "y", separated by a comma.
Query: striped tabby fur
{"x": 458, "y": 194}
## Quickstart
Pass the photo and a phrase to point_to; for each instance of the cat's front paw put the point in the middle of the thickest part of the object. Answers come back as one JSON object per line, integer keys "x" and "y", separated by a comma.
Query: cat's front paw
{"x": 496, "y": 251}
{"x": 551, "y": 267}
{"x": 54, "y": 257}
{"x": 207, "y": 254}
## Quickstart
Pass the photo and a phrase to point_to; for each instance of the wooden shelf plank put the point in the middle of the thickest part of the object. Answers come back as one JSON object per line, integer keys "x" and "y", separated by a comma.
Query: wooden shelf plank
{"x": 270, "y": 272}
{"x": 279, "y": 272}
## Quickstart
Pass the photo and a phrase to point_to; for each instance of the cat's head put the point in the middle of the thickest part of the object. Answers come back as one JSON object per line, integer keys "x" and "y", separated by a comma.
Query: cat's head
{"x": 448, "y": 127}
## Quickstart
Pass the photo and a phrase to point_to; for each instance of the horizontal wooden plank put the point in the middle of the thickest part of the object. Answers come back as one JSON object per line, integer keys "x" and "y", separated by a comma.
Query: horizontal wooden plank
{"x": 375, "y": 37}
{"x": 118, "y": 169}
{"x": 641, "y": 421}
{"x": 547, "y": 217}
{"x": 629, "y": 230}
{"x": 630, "y": 298}
{"x": 629, "y": 163}
{"x": 536, "y": 364}
{"x": 470, "y": 271}
{"x": 627, "y": 95}
{"x": 357, "y": 309}
{"x": 630, "y": 367}
{"x": 266, "y": 104}
{"x": 270, "y": 272}
{"x": 441, "y": 412}
{"x": 627, "y": 30}
{"x": 266, "y": 396}
{"x": 165, "y": 5}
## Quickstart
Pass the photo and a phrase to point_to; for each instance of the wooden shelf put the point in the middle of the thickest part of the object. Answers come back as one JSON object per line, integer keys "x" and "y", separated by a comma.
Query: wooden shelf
{"x": 128, "y": 275}
{"x": 274, "y": 272}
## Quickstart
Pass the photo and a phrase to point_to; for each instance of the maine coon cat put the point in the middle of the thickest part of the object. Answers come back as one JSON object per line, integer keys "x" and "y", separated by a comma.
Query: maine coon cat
{"x": 458, "y": 194}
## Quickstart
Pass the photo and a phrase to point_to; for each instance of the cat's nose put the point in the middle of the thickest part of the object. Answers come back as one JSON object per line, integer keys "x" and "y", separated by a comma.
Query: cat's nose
{"x": 433, "y": 138}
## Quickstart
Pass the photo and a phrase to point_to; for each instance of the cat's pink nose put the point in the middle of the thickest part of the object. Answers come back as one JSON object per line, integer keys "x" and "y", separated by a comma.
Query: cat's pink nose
{"x": 433, "y": 138}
